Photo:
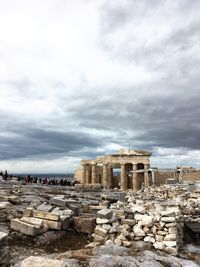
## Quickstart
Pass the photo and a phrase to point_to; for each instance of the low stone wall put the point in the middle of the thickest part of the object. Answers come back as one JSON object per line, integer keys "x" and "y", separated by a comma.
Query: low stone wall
{"x": 137, "y": 220}
{"x": 4, "y": 251}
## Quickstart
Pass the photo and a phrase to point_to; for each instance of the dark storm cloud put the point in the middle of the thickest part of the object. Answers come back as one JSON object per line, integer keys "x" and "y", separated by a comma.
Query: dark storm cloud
{"x": 151, "y": 120}
{"x": 21, "y": 142}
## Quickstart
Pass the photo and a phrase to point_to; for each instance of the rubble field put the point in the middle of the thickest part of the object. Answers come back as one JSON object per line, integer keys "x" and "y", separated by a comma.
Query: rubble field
{"x": 56, "y": 226}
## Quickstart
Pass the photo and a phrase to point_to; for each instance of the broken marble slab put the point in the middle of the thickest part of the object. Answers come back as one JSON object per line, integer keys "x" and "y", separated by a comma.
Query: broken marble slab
{"x": 26, "y": 228}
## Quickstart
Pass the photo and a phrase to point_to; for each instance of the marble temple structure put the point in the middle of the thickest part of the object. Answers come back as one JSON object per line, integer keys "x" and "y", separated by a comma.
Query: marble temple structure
{"x": 134, "y": 166}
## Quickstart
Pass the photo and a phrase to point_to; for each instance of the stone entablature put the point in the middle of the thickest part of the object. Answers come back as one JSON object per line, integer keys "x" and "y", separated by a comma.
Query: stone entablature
{"x": 134, "y": 166}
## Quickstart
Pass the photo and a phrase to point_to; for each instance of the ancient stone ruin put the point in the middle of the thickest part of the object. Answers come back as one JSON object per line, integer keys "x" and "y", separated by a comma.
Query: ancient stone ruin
{"x": 134, "y": 166}
{"x": 138, "y": 224}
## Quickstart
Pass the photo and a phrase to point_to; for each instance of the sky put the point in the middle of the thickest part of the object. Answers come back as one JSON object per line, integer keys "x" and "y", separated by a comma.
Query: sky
{"x": 84, "y": 78}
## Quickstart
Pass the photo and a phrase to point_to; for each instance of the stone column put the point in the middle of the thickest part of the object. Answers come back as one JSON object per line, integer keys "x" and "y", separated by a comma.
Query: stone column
{"x": 94, "y": 174}
{"x": 105, "y": 176}
{"x": 135, "y": 180}
{"x": 146, "y": 175}
{"x": 109, "y": 176}
{"x": 123, "y": 177}
{"x": 87, "y": 177}
{"x": 83, "y": 174}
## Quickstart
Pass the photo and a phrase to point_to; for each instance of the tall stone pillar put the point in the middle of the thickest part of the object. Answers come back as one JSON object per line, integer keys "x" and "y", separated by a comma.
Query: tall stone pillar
{"x": 135, "y": 178}
{"x": 110, "y": 174}
{"x": 105, "y": 176}
{"x": 94, "y": 174}
{"x": 123, "y": 177}
{"x": 146, "y": 175}
{"x": 87, "y": 177}
{"x": 83, "y": 174}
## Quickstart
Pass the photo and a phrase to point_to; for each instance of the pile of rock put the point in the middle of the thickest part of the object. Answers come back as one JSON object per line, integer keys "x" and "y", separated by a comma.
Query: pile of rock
{"x": 125, "y": 224}
{"x": 35, "y": 222}
{"x": 4, "y": 251}
{"x": 5, "y": 208}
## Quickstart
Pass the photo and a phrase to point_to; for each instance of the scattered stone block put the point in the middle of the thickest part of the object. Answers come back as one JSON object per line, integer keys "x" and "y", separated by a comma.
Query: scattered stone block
{"x": 159, "y": 245}
{"x": 28, "y": 212}
{"x": 58, "y": 201}
{"x": 26, "y": 228}
{"x": 168, "y": 219}
{"x": 105, "y": 214}
{"x": 33, "y": 221}
{"x": 45, "y": 207}
{"x": 170, "y": 237}
{"x": 170, "y": 243}
{"x": 5, "y": 205}
{"x": 54, "y": 225}
{"x": 100, "y": 231}
{"x": 102, "y": 221}
{"x": 46, "y": 215}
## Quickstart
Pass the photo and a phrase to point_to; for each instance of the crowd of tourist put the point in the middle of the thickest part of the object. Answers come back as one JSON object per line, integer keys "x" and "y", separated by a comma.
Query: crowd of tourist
{"x": 28, "y": 179}
{"x": 48, "y": 181}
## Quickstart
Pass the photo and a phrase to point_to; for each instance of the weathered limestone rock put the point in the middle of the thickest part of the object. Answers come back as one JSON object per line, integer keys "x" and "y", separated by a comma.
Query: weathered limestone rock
{"x": 137, "y": 208}
{"x": 168, "y": 219}
{"x": 169, "y": 243}
{"x": 65, "y": 217}
{"x": 146, "y": 229}
{"x": 139, "y": 232}
{"x": 45, "y": 262}
{"x": 98, "y": 238}
{"x": 170, "y": 237}
{"x": 162, "y": 232}
{"x": 111, "y": 249}
{"x": 49, "y": 237}
{"x": 5, "y": 205}
{"x": 106, "y": 226}
{"x": 159, "y": 238}
{"x": 159, "y": 245}
{"x": 46, "y": 215}
{"x": 170, "y": 224}
{"x": 130, "y": 222}
{"x": 26, "y": 228}
{"x": 138, "y": 217}
{"x": 100, "y": 231}
{"x": 149, "y": 239}
{"x": 4, "y": 250}
{"x": 147, "y": 221}
{"x": 54, "y": 225}
{"x": 28, "y": 212}
{"x": 113, "y": 229}
{"x": 102, "y": 221}
{"x": 58, "y": 201}
{"x": 93, "y": 245}
{"x": 45, "y": 207}
{"x": 105, "y": 214}
{"x": 33, "y": 221}
{"x": 84, "y": 224}
{"x": 172, "y": 230}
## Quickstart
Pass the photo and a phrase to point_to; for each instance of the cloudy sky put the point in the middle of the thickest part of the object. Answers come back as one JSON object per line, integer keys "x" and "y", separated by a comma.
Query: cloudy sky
{"x": 86, "y": 77}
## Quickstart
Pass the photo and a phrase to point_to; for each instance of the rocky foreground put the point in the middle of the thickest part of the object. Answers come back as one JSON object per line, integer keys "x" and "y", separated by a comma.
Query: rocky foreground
{"x": 56, "y": 226}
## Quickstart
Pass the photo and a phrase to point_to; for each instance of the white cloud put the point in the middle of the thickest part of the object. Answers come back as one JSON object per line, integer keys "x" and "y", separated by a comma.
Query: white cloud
{"x": 120, "y": 71}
